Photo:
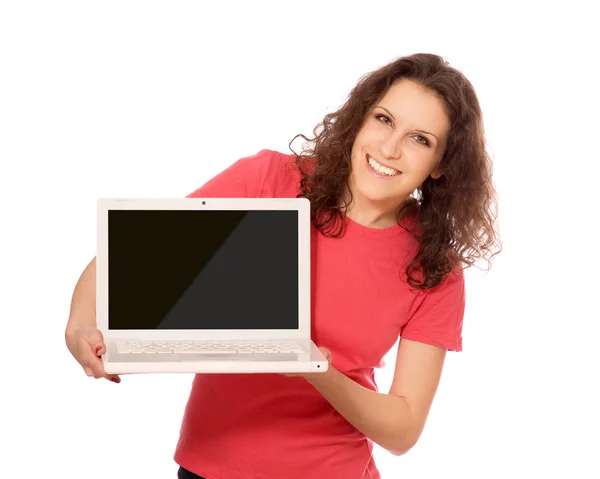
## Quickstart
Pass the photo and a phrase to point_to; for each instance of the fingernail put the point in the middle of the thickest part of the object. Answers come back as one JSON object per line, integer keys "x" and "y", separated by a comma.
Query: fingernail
{"x": 98, "y": 348}
{"x": 115, "y": 380}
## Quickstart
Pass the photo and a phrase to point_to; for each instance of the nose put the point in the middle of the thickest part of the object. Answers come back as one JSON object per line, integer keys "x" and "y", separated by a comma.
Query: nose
{"x": 391, "y": 149}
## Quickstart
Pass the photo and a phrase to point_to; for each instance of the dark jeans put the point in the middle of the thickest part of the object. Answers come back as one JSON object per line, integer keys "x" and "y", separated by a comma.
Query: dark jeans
{"x": 185, "y": 474}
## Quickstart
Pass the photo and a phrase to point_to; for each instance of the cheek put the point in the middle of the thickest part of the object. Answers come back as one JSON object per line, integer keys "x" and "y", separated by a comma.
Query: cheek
{"x": 423, "y": 170}
{"x": 368, "y": 133}
{"x": 358, "y": 147}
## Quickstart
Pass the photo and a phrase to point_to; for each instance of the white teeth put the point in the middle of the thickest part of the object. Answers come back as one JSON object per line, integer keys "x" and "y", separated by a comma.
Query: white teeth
{"x": 382, "y": 169}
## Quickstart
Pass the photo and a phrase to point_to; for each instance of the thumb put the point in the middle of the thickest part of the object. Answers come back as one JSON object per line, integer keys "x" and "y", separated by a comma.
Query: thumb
{"x": 326, "y": 353}
{"x": 96, "y": 341}
{"x": 89, "y": 359}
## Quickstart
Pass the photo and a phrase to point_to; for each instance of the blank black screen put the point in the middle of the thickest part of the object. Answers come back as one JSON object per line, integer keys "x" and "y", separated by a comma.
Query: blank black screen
{"x": 202, "y": 269}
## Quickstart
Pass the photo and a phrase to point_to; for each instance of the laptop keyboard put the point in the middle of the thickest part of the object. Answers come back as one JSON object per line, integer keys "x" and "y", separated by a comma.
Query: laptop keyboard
{"x": 208, "y": 347}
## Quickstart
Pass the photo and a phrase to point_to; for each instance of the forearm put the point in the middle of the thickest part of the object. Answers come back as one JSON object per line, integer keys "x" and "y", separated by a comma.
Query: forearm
{"x": 83, "y": 303}
{"x": 383, "y": 418}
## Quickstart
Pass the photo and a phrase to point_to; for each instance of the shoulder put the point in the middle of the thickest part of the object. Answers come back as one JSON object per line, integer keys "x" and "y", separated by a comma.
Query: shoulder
{"x": 266, "y": 173}
{"x": 273, "y": 167}
{"x": 282, "y": 176}
{"x": 264, "y": 164}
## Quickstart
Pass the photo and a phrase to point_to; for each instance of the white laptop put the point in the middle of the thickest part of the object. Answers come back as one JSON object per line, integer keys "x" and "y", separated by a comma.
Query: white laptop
{"x": 213, "y": 285}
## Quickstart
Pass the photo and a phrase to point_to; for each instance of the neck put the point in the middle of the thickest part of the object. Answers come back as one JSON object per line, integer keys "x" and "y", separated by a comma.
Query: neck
{"x": 372, "y": 214}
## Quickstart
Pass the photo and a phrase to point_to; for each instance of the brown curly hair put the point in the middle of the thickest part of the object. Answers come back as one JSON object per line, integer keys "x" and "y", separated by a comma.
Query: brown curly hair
{"x": 456, "y": 213}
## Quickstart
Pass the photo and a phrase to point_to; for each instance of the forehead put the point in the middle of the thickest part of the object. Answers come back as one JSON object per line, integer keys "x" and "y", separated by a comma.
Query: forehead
{"x": 413, "y": 104}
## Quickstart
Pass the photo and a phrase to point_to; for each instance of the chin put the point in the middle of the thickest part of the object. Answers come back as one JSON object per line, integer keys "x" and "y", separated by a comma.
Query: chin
{"x": 376, "y": 194}
{"x": 375, "y": 189}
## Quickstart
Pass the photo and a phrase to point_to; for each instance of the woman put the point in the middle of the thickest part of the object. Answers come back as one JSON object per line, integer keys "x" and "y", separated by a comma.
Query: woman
{"x": 402, "y": 200}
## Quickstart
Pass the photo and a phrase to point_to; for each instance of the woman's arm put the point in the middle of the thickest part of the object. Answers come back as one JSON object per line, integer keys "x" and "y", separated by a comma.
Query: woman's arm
{"x": 394, "y": 420}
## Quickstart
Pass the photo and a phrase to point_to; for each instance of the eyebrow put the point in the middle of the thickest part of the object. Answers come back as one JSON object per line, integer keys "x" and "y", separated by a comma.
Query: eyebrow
{"x": 420, "y": 131}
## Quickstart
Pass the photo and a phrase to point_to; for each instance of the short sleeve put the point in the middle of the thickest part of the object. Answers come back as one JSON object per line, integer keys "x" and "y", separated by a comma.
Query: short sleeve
{"x": 243, "y": 179}
{"x": 437, "y": 319}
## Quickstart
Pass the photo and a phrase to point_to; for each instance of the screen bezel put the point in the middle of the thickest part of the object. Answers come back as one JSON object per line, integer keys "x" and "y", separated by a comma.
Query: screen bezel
{"x": 301, "y": 205}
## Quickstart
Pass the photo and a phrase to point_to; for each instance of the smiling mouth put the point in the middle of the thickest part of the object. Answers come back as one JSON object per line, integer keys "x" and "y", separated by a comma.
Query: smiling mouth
{"x": 380, "y": 170}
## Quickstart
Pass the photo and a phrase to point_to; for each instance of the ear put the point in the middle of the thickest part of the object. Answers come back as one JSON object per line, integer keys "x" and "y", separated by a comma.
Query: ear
{"x": 436, "y": 173}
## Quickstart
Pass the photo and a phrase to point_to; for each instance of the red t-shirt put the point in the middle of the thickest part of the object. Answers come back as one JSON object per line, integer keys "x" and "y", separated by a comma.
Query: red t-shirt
{"x": 270, "y": 426}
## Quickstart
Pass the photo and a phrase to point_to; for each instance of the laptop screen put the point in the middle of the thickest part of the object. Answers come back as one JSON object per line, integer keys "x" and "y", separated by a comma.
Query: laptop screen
{"x": 181, "y": 269}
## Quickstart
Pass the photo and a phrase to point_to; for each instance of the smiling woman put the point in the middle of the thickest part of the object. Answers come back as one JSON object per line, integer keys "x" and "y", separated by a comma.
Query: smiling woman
{"x": 393, "y": 144}
{"x": 401, "y": 199}
{"x": 409, "y": 140}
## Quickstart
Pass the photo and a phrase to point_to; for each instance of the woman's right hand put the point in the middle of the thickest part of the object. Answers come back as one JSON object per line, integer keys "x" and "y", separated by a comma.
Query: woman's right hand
{"x": 86, "y": 344}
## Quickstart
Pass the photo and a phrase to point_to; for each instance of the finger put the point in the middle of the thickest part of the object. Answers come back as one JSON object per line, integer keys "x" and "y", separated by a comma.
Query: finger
{"x": 88, "y": 371}
{"x": 98, "y": 369}
{"x": 96, "y": 341}
{"x": 90, "y": 360}
{"x": 99, "y": 348}
{"x": 326, "y": 353}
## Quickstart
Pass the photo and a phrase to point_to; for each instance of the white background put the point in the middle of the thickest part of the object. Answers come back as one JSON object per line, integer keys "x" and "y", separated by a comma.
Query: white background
{"x": 153, "y": 98}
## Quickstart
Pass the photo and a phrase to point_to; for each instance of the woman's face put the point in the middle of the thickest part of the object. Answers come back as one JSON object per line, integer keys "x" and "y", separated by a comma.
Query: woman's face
{"x": 399, "y": 145}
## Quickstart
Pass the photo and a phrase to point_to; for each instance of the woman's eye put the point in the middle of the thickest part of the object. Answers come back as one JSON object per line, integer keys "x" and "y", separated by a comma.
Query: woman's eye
{"x": 422, "y": 140}
{"x": 384, "y": 119}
